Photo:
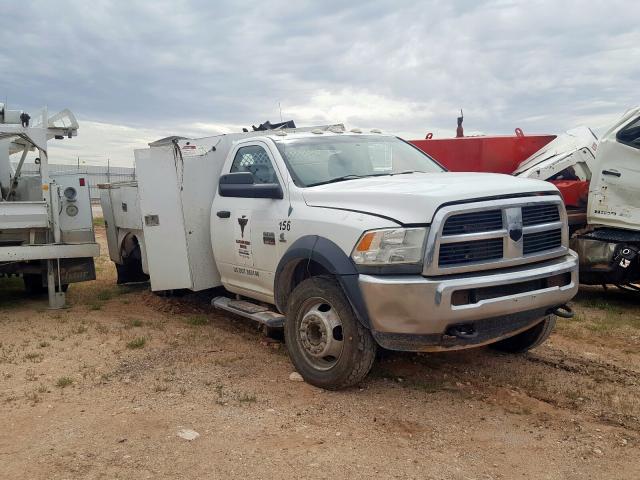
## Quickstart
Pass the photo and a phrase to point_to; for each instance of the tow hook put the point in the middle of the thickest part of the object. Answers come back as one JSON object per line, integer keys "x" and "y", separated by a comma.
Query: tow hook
{"x": 563, "y": 311}
{"x": 463, "y": 330}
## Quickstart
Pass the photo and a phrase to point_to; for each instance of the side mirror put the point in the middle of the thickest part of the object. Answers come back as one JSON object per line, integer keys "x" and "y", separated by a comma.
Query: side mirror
{"x": 241, "y": 185}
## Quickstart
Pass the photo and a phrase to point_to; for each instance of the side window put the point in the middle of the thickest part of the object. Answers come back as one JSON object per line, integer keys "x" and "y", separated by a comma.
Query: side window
{"x": 630, "y": 135}
{"x": 254, "y": 159}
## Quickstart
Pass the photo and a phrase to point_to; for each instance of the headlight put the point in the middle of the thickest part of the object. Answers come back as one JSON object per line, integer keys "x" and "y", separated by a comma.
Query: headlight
{"x": 390, "y": 246}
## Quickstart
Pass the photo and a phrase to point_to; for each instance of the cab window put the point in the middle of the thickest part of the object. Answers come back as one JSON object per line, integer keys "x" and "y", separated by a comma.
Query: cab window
{"x": 255, "y": 160}
{"x": 630, "y": 135}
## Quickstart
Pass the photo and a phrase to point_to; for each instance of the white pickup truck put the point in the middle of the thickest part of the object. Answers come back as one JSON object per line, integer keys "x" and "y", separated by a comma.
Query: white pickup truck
{"x": 349, "y": 241}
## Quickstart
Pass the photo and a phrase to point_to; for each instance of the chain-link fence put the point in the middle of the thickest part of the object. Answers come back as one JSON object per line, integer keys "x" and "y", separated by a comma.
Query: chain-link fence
{"x": 94, "y": 174}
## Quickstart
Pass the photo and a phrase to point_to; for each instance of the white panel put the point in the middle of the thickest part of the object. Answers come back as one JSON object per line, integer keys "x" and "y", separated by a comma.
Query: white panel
{"x": 23, "y": 215}
{"x": 41, "y": 252}
{"x": 125, "y": 205}
{"x": 200, "y": 182}
{"x": 160, "y": 199}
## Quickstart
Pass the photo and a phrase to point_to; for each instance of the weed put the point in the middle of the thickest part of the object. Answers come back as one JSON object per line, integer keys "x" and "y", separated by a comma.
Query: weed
{"x": 104, "y": 295}
{"x": 98, "y": 222}
{"x": 34, "y": 397}
{"x": 198, "y": 320}
{"x": 30, "y": 375}
{"x": 64, "y": 382}
{"x": 43, "y": 344}
{"x": 247, "y": 398}
{"x": 95, "y": 306}
{"x": 42, "y": 388}
{"x": 34, "y": 356}
{"x": 137, "y": 343}
{"x": 159, "y": 387}
{"x": 136, "y": 323}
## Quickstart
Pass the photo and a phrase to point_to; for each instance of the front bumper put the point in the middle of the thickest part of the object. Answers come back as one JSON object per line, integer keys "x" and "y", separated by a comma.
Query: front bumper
{"x": 415, "y": 312}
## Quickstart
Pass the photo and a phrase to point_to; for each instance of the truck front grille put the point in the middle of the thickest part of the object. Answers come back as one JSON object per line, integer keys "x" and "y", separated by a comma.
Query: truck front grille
{"x": 470, "y": 252}
{"x": 495, "y": 234}
{"x": 473, "y": 222}
{"x": 537, "y": 214}
{"x": 541, "y": 241}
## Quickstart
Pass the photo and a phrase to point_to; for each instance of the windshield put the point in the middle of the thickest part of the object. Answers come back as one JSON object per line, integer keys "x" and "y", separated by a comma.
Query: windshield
{"x": 315, "y": 161}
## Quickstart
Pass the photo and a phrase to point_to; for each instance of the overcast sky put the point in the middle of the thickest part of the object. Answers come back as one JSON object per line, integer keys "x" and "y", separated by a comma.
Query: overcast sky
{"x": 135, "y": 71}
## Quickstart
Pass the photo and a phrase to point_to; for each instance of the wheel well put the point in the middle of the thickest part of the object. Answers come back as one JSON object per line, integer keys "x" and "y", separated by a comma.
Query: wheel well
{"x": 293, "y": 274}
{"x": 128, "y": 246}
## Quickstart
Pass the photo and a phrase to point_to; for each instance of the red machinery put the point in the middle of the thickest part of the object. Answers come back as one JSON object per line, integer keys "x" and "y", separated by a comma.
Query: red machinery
{"x": 498, "y": 154}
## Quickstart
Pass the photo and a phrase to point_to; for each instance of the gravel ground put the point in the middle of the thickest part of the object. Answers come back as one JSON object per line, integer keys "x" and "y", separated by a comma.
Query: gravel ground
{"x": 108, "y": 388}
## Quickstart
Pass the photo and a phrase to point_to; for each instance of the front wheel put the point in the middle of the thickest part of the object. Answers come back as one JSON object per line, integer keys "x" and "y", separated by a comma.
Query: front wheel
{"x": 326, "y": 342}
{"x": 528, "y": 339}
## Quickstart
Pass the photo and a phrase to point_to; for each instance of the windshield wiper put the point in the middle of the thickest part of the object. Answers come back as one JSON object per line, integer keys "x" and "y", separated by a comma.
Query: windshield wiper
{"x": 407, "y": 171}
{"x": 345, "y": 177}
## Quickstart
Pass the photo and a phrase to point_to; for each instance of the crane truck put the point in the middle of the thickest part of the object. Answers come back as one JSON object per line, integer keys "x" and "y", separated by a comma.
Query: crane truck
{"x": 349, "y": 241}
{"x": 46, "y": 225}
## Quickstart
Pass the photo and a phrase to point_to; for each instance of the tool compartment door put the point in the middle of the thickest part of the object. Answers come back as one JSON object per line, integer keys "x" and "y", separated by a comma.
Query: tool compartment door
{"x": 159, "y": 175}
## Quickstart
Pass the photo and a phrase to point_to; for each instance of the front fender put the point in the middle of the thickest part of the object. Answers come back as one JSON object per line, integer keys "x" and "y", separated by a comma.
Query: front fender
{"x": 324, "y": 252}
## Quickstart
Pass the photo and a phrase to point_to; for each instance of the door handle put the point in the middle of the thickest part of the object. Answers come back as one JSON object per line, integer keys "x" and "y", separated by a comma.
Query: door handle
{"x": 611, "y": 172}
{"x": 223, "y": 214}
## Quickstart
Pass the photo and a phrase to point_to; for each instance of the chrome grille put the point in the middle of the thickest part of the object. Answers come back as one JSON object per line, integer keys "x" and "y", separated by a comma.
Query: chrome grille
{"x": 537, "y": 214}
{"x": 541, "y": 241}
{"x": 473, "y": 222}
{"x": 470, "y": 252}
{"x": 496, "y": 234}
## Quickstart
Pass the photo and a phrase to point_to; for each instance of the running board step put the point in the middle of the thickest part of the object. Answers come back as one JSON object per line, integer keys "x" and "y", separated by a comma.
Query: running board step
{"x": 250, "y": 310}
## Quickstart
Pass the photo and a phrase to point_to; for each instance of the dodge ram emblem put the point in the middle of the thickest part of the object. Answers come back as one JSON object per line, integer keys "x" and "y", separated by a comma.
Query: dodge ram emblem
{"x": 515, "y": 233}
{"x": 243, "y": 223}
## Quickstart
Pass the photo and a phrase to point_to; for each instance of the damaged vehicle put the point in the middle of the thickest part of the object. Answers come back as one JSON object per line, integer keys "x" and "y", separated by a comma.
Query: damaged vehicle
{"x": 599, "y": 180}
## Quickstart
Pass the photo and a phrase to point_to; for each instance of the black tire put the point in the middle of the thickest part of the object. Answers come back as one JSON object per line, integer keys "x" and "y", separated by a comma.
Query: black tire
{"x": 358, "y": 348}
{"x": 130, "y": 271}
{"x": 528, "y": 339}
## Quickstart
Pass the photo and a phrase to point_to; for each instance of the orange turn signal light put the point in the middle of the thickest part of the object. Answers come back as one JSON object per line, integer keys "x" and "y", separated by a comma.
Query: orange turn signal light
{"x": 365, "y": 242}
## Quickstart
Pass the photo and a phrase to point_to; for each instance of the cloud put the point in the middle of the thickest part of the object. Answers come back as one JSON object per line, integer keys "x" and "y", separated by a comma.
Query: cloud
{"x": 137, "y": 71}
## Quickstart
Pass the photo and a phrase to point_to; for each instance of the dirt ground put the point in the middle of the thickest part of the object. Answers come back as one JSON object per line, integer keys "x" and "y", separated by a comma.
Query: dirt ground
{"x": 102, "y": 388}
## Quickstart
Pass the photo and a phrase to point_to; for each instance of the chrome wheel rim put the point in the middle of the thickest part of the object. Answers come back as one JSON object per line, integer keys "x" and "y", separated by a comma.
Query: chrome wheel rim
{"x": 320, "y": 333}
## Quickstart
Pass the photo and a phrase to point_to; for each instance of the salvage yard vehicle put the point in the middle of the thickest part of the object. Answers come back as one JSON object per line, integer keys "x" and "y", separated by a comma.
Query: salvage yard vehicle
{"x": 348, "y": 241}
{"x": 46, "y": 225}
{"x": 599, "y": 180}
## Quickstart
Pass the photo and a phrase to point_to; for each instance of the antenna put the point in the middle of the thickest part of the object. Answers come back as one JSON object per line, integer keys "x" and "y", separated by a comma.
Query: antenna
{"x": 280, "y": 108}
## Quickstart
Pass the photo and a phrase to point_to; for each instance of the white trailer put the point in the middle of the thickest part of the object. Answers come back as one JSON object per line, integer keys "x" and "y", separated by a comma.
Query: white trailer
{"x": 348, "y": 240}
{"x": 46, "y": 226}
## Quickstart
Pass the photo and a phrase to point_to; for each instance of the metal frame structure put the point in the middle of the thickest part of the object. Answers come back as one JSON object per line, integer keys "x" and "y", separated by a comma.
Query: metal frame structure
{"x": 42, "y": 214}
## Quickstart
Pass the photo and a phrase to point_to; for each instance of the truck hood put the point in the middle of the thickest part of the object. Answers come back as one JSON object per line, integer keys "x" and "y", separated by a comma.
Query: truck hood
{"x": 414, "y": 198}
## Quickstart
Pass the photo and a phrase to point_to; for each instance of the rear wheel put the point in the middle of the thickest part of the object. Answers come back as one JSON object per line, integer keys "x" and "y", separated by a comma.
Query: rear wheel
{"x": 326, "y": 342}
{"x": 528, "y": 339}
{"x": 130, "y": 270}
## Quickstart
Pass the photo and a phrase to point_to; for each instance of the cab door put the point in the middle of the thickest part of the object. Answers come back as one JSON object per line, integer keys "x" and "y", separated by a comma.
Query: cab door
{"x": 614, "y": 193}
{"x": 245, "y": 222}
